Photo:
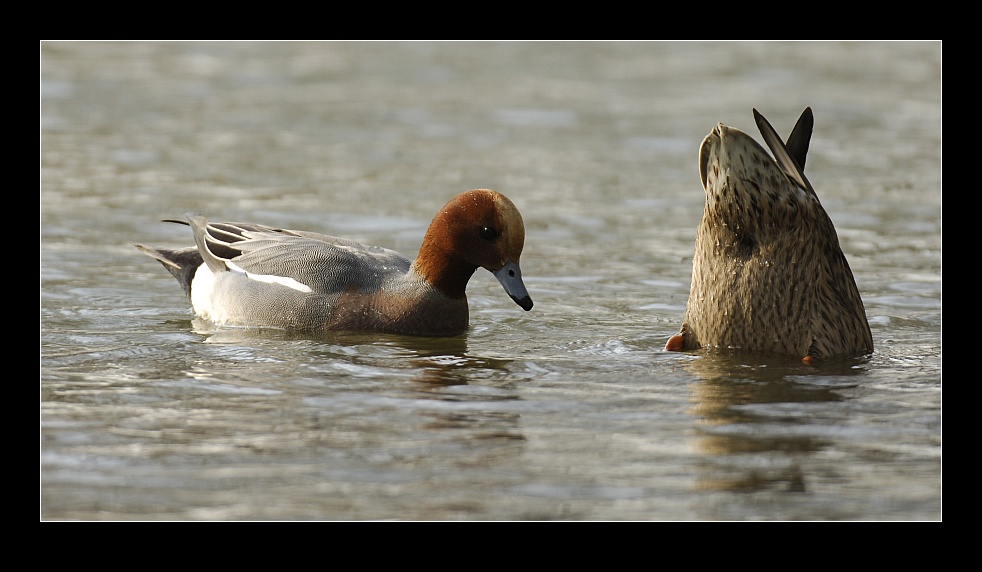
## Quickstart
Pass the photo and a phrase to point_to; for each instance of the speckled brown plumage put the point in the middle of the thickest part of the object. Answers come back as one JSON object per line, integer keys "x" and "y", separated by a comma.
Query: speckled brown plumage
{"x": 768, "y": 274}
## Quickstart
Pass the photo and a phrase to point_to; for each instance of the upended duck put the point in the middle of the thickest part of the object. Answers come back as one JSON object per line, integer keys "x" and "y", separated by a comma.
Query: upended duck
{"x": 254, "y": 275}
{"x": 768, "y": 274}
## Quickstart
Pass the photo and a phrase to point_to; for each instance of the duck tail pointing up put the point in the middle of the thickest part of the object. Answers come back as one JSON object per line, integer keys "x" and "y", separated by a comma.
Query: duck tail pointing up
{"x": 181, "y": 263}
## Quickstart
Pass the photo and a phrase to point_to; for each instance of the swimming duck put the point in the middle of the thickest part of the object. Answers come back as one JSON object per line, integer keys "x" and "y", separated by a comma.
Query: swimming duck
{"x": 255, "y": 275}
{"x": 768, "y": 274}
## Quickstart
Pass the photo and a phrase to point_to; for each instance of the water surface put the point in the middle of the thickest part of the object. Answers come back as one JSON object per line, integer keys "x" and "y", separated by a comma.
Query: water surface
{"x": 570, "y": 411}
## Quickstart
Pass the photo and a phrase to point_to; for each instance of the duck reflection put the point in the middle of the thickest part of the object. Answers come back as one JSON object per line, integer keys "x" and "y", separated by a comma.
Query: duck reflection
{"x": 438, "y": 360}
{"x": 438, "y": 368}
{"x": 442, "y": 363}
{"x": 756, "y": 417}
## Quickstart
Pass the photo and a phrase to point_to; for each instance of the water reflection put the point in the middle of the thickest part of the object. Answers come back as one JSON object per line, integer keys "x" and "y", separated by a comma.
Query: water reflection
{"x": 560, "y": 413}
{"x": 751, "y": 408}
{"x": 441, "y": 361}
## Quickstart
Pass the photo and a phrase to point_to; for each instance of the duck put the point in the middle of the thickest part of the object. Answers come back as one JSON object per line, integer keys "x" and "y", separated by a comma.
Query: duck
{"x": 768, "y": 273}
{"x": 253, "y": 275}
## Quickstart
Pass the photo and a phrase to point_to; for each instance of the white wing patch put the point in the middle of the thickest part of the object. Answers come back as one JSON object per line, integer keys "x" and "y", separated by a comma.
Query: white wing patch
{"x": 269, "y": 278}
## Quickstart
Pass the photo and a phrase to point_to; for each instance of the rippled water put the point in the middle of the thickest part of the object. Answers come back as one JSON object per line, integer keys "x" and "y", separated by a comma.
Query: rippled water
{"x": 570, "y": 411}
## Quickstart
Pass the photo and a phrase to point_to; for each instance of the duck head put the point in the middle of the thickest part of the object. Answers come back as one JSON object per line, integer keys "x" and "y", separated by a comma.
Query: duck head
{"x": 478, "y": 228}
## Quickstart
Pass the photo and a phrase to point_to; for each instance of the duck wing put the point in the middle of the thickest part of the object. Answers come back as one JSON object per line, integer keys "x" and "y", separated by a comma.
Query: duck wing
{"x": 321, "y": 263}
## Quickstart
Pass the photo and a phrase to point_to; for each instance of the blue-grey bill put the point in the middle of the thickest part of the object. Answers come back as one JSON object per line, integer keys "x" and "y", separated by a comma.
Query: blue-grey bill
{"x": 510, "y": 276}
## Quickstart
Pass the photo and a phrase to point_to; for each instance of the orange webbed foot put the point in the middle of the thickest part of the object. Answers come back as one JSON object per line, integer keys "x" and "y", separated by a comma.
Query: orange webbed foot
{"x": 675, "y": 343}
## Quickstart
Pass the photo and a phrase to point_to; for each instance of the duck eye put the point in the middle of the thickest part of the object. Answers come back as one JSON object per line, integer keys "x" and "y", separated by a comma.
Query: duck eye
{"x": 489, "y": 233}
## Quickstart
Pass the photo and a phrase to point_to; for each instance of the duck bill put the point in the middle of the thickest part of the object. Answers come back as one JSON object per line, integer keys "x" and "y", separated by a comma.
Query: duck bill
{"x": 510, "y": 276}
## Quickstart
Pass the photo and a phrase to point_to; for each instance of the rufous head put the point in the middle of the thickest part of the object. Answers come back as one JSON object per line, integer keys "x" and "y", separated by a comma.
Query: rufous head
{"x": 476, "y": 228}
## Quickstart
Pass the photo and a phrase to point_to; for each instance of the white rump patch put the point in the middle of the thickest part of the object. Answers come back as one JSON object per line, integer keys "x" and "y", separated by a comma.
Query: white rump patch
{"x": 201, "y": 288}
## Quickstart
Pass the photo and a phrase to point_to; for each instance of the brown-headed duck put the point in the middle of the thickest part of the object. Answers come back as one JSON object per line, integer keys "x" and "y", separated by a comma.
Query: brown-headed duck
{"x": 255, "y": 275}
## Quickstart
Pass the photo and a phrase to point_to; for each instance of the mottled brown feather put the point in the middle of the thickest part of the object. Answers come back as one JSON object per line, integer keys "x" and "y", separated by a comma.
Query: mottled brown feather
{"x": 768, "y": 274}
